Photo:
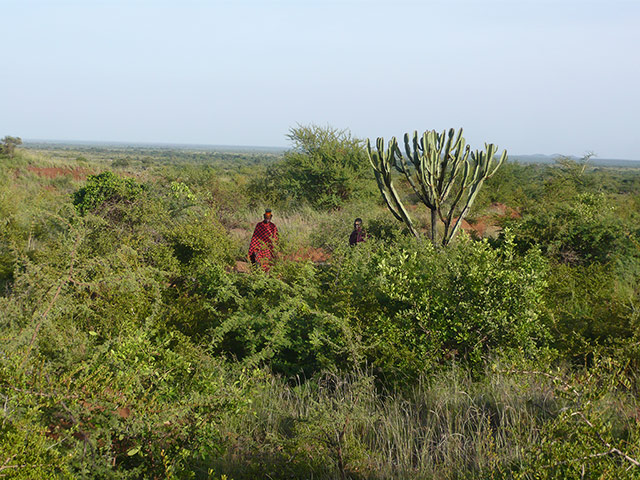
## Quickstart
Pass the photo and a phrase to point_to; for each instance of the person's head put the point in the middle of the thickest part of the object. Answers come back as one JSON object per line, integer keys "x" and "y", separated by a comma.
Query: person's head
{"x": 357, "y": 224}
{"x": 267, "y": 215}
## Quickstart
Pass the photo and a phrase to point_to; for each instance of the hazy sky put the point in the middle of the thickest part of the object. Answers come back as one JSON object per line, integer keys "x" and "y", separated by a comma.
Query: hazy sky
{"x": 559, "y": 76}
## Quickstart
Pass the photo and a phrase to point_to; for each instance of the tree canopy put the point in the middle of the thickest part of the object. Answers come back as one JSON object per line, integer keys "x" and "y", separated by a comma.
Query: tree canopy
{"x": 9, "y": 145}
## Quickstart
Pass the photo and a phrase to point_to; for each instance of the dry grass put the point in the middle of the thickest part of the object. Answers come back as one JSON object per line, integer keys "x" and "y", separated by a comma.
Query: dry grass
{"x": 445, "y": 427}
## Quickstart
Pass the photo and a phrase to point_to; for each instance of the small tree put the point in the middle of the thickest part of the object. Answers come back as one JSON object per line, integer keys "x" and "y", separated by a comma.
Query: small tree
{"x": 443, "y": 172}
{"x": 9, "y": 145}
{"x": 325, "y": 168}
{"x": 106, "y": 188}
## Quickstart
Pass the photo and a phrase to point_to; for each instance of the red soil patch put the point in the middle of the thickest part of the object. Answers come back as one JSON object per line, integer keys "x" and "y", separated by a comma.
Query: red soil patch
{"x": 54, "y": 172}
{"x": 316, "y": 255}
{"x": 485, "y": 226}
{"x": 123, "y": 412}
{"x": 475, "y": 230}
{"x": 502, "y": 210}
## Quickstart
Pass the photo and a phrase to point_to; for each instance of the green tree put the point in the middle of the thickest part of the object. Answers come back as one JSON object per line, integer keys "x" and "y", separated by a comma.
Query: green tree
{"x": 325, "y": 168}
{"x": 9, "y": 145}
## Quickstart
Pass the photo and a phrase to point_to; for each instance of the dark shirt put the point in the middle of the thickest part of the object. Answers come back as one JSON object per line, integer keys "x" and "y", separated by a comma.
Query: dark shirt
{"x": 357, "y": 236}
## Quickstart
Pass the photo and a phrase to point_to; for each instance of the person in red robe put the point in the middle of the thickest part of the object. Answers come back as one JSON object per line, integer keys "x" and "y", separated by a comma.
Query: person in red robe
{"x": 263, "y": 242}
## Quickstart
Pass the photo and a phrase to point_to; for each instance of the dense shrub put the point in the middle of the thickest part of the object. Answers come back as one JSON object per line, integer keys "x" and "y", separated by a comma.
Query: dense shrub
{"x": 146, "y": 405}
{"x": 326, "y": 168}
{"x": 263, "y": 319}
{"x": 26, "y": 452}
{"x": 416, "y": 306}
{"x": 402, "y": 309}
{"x": 105, "y": 188}
{"x": 595, "y": 434}
{"x": 195, "y": 240}
{"x": 592, "y": 295}
{"x": 583, "y": 230}
{"x": 590, "y": 307}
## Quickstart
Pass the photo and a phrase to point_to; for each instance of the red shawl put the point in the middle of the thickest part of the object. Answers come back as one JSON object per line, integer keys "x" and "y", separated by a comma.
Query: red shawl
{"x": 263, "y": 240}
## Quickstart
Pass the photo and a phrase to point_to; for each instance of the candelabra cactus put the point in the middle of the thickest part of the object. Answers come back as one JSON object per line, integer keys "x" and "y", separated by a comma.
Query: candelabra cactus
{"x": 382, "y": 162}
{"x": 443, "y": 172}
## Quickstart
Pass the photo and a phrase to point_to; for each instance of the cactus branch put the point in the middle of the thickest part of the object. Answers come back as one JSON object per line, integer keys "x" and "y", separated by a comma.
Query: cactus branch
{"x": 382, "y": 162}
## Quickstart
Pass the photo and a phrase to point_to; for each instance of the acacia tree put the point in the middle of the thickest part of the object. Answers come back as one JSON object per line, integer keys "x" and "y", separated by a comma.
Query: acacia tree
{"x": 443, "y": 172}
{"x": 9, "y": 145}
{"x": 325, "y": 168}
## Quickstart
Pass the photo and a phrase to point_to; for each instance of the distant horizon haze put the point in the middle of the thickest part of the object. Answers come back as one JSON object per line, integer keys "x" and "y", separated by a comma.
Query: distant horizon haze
{"x": 33, "y": 142}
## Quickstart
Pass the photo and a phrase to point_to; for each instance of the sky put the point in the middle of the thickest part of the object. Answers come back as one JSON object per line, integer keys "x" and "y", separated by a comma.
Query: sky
{"x": 534, "y": 77}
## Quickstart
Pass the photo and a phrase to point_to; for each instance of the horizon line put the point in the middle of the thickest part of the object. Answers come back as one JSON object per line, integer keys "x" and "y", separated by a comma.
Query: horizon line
{"x": 256, "y": 147}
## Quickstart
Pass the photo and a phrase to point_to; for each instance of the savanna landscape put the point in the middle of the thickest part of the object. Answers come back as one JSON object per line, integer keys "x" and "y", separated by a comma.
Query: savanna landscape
{"x": 138, "y": 340}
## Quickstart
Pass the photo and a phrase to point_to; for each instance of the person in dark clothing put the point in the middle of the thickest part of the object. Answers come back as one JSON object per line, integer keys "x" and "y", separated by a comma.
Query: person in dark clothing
{"x": 358, "y": 235}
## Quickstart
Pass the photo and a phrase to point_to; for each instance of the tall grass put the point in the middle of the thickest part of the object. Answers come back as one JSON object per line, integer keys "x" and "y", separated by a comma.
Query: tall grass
{"x": 445, "y": 427}
{"x": 303, "y": 227}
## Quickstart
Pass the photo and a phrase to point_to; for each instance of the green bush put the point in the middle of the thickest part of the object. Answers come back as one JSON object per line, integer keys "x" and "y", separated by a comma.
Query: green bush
{"x": 260, "y": 319}
{"x": 196, "y": 239}
{"x": 142, "y": 406}
{"x": 591, "y": 307}
{"x": 595, "y": 434}
{"x": 416, "y": 307}
{"x": 402, "y": 309}
{"x": 585, "y": 229}
{"x": 105, "y": 189}
{"x": 26, "y": 453}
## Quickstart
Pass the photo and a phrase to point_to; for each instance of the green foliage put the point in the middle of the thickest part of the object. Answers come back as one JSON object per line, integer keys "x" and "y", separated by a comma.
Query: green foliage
{"x": 589, "y": 236}
{"x": 180, "y": 189}
{"x": 514, "y": 184}
{"x": 9, "y": 144}
{"x": 132, "y": 348}
{"x": 325, "y": 169}
{"x": 137, "y": 407}
{"x": 25, "y": 451}
{"x": 373, "y": 306}
{"x": 417, "y": 307}
{"x": 591, "y": 307}
{"x": 595, "y": 434}
{"x": 197, "y": 239}
{"x": 583, "y": 230}
{"x": 105, "y": 190}
{"x": 263, "y": 319}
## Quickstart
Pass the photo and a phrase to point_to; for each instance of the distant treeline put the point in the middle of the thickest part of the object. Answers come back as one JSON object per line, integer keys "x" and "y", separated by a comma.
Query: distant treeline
{"x": 132, "y": 155}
